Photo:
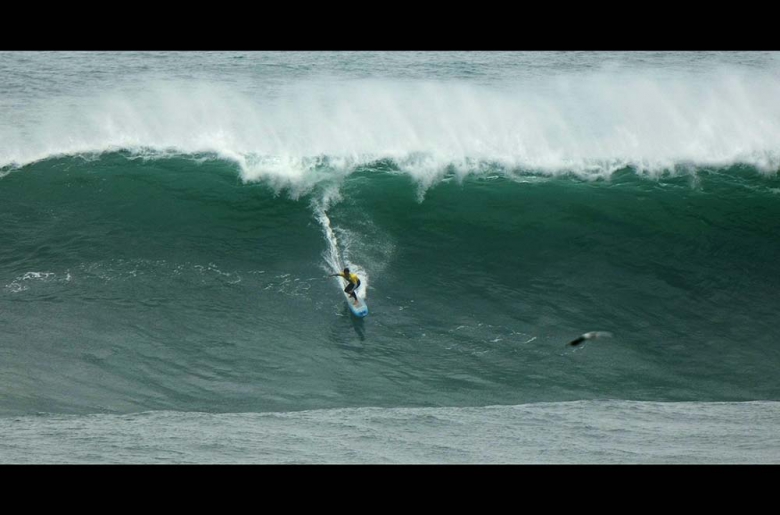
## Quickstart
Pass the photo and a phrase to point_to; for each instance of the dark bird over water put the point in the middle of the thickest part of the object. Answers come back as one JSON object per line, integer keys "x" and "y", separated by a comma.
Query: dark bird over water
{"x": 589, "y": 336}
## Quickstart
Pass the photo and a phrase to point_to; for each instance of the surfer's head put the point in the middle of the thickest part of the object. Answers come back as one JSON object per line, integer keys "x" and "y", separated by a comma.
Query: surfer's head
{"x": 346, "y": 270}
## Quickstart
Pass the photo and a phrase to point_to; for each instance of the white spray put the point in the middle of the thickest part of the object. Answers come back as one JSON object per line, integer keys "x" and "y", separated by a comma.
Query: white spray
{"x": 335, "y": 260}
{"x": 587, "y": 124}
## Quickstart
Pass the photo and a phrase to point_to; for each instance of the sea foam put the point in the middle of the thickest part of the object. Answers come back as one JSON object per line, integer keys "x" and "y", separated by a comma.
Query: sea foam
{"x": 310, "y": 131}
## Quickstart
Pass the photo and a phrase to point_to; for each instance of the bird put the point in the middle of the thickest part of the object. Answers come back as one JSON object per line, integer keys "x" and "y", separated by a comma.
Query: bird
{"x": 589, "y": 336}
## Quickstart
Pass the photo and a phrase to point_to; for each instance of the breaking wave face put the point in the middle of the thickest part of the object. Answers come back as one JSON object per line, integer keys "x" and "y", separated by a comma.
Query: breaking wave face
{"x": 296, "y": 137}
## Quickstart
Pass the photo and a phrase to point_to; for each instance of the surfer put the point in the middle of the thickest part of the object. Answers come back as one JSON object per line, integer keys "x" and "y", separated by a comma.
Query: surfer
{"x": 353, "y": 282}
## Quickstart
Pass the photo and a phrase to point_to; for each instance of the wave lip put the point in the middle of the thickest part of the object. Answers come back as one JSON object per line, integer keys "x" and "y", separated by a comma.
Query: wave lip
{"x": 589, "y": 125}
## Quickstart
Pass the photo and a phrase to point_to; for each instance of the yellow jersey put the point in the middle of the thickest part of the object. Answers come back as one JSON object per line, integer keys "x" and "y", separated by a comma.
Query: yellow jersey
{"x": 353, "y": 278}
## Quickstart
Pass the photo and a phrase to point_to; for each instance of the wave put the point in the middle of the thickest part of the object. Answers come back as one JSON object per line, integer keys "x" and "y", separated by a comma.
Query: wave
{"x": 194, "y": 286}
{"x": 590, "y": 125}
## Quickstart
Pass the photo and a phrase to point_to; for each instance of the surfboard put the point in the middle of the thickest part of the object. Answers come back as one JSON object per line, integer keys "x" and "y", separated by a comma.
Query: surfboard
{"x": 359, "y": 308}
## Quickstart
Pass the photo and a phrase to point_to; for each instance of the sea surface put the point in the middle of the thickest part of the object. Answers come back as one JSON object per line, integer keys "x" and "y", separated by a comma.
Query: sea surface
{"x": 169, "y": 220}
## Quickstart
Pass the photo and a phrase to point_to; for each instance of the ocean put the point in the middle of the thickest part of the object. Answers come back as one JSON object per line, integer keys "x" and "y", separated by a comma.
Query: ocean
{"x": 169, "y": 222}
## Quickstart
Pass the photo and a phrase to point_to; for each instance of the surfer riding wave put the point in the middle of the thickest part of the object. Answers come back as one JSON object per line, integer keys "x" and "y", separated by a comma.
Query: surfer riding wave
{"x": 353, "y": 282}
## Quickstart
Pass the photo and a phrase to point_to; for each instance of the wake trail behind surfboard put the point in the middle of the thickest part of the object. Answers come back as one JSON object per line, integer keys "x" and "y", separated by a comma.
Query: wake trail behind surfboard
{"x": 333, "y": 260}
{"x": 331, "y": 254}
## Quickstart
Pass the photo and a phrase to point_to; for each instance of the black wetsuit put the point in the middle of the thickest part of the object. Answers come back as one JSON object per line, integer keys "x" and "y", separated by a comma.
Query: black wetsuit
{"x": 351, "y": 286}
